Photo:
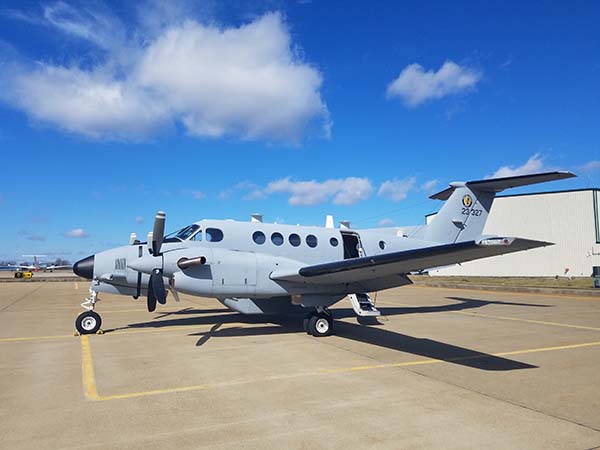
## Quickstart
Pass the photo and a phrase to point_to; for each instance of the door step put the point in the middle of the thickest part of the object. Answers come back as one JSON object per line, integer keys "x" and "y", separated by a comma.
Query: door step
{"x": 363, "y": 305}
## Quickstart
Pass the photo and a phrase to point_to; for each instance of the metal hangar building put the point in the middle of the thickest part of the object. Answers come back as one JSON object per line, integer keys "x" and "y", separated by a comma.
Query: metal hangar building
{"x": 569, "y": 219}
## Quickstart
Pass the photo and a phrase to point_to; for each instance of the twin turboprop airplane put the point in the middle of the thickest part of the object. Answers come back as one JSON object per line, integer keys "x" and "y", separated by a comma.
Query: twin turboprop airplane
{"x": 37, "y": 266}
{"x": 259, "y": 268}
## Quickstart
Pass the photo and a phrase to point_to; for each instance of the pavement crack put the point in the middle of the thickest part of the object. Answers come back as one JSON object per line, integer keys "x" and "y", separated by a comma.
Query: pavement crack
{"x": 21, "y": 298}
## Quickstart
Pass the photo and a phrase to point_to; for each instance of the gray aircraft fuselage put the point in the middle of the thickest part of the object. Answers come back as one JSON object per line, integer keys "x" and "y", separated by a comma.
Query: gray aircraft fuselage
{"x": 238, "y": 266}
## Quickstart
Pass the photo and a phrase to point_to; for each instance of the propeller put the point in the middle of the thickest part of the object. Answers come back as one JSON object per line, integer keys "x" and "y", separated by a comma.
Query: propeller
{"x": 156, "y": 284}
{"x": 153, "y": 264}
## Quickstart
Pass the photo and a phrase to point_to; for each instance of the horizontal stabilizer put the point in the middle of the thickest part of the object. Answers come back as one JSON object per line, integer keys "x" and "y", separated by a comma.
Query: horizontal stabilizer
{"x": 500, "y": 184}
{"x": 369, "y": 267}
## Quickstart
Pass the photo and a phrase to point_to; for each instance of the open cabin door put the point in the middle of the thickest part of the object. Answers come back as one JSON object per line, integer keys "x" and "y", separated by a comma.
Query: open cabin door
{"x": 352, "y": 246}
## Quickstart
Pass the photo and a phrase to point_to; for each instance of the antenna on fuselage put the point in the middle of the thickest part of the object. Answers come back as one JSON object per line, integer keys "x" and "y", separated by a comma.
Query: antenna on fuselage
{"x": 345, "y": 225}
{"x": 257, "y": 218}
{"x": 329, "y": 221}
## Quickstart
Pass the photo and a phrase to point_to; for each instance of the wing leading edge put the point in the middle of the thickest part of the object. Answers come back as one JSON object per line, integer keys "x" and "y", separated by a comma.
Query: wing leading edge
{"x": 378, "y": 266}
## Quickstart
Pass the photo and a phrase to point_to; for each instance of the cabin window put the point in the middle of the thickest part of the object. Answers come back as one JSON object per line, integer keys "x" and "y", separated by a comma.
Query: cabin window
{"x": 382, "y": 245}
{"x": 214, "y": 235}
{"x": 259, "y": 237}
{"x": 333, "y": 242}
{"x": 197, "y": 236}
{"x": 311, "y": 240}
{"x": 277, "y": 238}
{"x": 295, "y": 240}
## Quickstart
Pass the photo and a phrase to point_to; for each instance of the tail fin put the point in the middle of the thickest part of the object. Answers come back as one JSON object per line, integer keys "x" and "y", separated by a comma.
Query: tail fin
{"x": 468, "y": 204}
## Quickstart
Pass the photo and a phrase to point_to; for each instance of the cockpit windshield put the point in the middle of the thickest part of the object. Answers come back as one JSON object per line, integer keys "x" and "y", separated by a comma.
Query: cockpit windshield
{"x": 181, "y": 235}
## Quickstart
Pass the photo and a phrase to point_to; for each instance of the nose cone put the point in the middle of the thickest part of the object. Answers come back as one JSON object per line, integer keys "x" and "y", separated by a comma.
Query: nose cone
{"x": 85, "y": 267}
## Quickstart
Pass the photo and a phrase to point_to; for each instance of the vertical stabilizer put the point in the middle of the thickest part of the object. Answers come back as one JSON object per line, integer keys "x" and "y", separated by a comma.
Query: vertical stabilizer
{"x": 463, "y": 216}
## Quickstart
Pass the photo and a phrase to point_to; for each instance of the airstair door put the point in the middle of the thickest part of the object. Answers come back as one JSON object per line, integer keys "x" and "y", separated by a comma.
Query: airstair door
{"x": 352, "y": 246}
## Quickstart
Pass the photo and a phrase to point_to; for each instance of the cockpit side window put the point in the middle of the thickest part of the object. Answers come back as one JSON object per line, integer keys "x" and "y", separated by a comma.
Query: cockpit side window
{"x": 181, "y": 235}
{"x": 214, "y": 235}
{"x": 197, "y": 237}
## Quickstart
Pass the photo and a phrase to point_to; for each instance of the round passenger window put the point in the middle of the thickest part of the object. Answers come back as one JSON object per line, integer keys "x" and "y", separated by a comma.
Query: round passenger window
{"x": 382, "y": 245}
{"x": 259, "y": 237}
{"x": 277, "y": 238}
{"x": 333, "y": 242}
{"x": 295, "y": 239}
{"x": 311, "y": 241}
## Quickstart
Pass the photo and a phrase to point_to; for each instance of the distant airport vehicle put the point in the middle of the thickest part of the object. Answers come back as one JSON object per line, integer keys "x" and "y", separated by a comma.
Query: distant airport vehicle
{"x": 37, "y": 265}
{"x": 26, "y": 274}
{"x": 259, "y": 268}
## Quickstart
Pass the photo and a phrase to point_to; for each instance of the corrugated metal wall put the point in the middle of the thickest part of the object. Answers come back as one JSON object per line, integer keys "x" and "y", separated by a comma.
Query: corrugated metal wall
{"x": 569, "y": 219}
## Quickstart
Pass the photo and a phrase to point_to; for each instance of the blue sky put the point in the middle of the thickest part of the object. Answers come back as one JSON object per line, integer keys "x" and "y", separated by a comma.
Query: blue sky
{"x": 109, "y": 113}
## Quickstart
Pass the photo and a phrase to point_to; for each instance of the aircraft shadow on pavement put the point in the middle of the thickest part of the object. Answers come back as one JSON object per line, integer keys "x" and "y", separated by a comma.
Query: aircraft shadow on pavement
{"x": 366, "y": 334}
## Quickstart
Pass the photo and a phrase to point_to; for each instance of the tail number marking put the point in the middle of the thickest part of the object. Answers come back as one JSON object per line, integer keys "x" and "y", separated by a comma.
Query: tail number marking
{"x": 472, "y": 212}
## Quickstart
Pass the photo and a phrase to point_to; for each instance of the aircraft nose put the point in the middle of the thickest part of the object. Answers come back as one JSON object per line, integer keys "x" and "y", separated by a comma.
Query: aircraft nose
{"x": 85, "y": 267}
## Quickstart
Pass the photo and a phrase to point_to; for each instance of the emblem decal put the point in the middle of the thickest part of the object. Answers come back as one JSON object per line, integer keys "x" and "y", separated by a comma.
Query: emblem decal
{"x": 467, "y": 200}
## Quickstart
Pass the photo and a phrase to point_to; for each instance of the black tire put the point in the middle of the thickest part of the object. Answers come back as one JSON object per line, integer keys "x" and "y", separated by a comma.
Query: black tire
{"x": 306, "y": 320}
{"x": 18, "y": 275}
{"x": 320, "y": 325}
{"x": 88, "y": 322}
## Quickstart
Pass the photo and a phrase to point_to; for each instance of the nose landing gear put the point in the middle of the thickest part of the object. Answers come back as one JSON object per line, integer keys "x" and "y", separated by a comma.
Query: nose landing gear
{"x": 89, "y": 322}
{"x": 318, "y": 323}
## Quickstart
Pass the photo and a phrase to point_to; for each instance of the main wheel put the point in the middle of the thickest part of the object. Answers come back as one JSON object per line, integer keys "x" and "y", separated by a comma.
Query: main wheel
{"x": 88, "y": 322}
{"x": 320, "y": 325}
{"x": 306, "y": 320}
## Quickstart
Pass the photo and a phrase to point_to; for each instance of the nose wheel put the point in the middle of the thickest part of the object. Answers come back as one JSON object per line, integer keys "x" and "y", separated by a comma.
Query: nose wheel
{"x": 88, "y": 322}
{"x": 318, "y": 324}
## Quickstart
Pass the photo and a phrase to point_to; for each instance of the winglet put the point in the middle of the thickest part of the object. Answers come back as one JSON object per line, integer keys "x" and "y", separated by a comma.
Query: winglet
{"x": 500, "y": 184}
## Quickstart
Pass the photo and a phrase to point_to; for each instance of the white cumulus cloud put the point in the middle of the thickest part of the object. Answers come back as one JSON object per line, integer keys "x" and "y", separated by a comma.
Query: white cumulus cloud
{"x": 414, "y": 85}
{"x": 342, "y": 191}
{"x": 246, "y": 81}
{"x": 534, "y": 164}
{"x": 429, "y": 186}
{"x": 397, "y": 190}
{"x": 387, "y": 222}
{"x": 76, "y": 233}
{"x": 590, "y": 167}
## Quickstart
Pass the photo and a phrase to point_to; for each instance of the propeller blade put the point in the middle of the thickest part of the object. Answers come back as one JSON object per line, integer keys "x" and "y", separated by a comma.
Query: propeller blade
{"x": 158, "y": 232}
{"x": 158, "y": 286}
{"x": 151, "y": 297}
{"x": 172, "y": 288}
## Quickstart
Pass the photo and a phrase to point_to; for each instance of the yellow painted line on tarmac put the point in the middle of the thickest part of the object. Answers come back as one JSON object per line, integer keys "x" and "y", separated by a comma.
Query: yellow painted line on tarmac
{"x": 465, "y": 358}
{"x": 91, "y": 392}
{"x": 490, "y": 316}
{"x": 117, "y": 332}
{"x": 153, "y": 392}
{"x": 520, "y": 294}
{"x": 87, "y": 369}
{"x": 516, "y": 319}
{"x": 35, "y": 338}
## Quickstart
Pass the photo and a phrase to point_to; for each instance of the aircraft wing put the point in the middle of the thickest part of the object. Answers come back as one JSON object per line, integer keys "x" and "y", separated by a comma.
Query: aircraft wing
{"x": 396, "y": 263}
{"x": 18, "y": 266}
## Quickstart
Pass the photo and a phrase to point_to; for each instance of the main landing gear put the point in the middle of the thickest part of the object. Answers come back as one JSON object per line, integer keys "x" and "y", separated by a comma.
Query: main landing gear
{"x": 89, "y": 322}
{"x": 318, "y": 323}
